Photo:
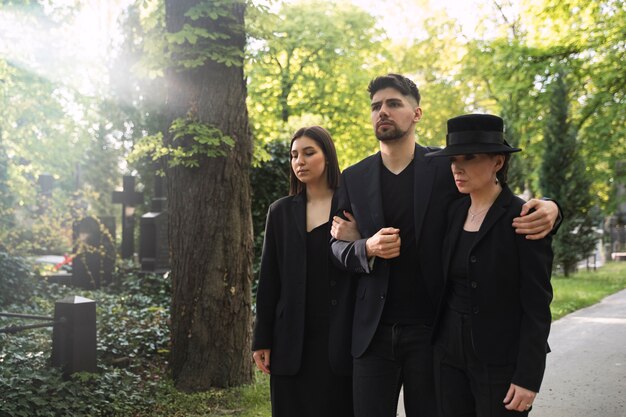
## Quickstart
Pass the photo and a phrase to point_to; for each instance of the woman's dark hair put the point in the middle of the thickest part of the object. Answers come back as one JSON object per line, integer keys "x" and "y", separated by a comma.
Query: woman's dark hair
{"x": 396, "y": 81}
{"x": 325, "y": 142}
{"x": 501, "y": 175}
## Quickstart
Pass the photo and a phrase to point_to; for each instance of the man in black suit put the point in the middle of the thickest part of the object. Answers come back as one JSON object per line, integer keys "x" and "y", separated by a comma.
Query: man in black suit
{"x": 399, "y": 200}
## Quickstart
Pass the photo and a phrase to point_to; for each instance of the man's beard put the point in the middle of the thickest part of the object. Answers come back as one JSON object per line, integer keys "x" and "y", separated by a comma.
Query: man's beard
{"x": 390, "y": 134}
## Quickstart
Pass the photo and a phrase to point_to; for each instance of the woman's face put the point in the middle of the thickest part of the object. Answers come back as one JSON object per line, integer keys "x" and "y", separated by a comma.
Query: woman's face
{"x": 308, "y": 160}
{"x": 474, "y": 173}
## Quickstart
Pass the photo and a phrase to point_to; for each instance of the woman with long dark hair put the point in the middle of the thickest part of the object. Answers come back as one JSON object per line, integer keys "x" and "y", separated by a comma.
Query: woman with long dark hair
{"x": 304, "y": 304}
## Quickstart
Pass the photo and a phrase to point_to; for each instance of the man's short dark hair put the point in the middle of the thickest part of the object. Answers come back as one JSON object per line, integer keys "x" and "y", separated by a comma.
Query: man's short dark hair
{"x": 397, "y": 82}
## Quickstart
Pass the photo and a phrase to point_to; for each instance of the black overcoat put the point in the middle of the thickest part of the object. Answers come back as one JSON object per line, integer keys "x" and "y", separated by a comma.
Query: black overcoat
{"x": 510, "y": 289}
{"x": 281, "y": 294}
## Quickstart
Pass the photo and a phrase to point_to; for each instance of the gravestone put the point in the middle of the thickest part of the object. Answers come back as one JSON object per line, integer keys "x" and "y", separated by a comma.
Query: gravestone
{"x": 46, "y": 184}
{"x": 94, "y": 249}
{"x": 153, "y": 241}
{"x": 129, "y": 199}
{"x": 74, "y": 337}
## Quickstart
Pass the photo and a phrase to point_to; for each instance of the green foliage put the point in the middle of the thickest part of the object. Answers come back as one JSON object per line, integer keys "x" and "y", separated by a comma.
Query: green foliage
{"x": 269, "y": 181}
{"x": 44, "y": 226}
{"x": 132, "y": 333}
{"x": 191, "y": 140}
{"x": 191, "y": 45}
{"x": 585, "y": 288}
{"x": 313, "y": 60}
{"x": 30, "y": 389}
{"x": 16, "y": 279}
{"x": 563, "y": 178}
{"x": 40, "y": 133}
{"x": 133, "y": 340}
{"x": 133, "y": 319}
{"x": 508, "y": 73}
{"x": 432, "y": 61}
{"x": 247, "y": 401}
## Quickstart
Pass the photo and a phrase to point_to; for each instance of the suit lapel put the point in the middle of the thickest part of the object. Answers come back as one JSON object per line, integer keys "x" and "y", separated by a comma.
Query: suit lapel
{"x": 374, "y": 195}
{"x": 455, "y": 228}
{"x": 423, "y": 185}
{"x": 497, "y": 210}
{"x": 299, "y": 214}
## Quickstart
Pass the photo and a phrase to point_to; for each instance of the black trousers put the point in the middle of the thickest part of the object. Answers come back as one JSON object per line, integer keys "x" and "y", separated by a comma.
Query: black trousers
{"x": 398, "y": 355}
{"x": 467, "y": 387}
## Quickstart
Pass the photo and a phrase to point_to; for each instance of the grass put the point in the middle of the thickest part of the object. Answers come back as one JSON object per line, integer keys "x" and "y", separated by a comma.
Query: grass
{"x": 570, "y": 294}
{"x": 247, "y": 401}
{"x": 586, "y": 288}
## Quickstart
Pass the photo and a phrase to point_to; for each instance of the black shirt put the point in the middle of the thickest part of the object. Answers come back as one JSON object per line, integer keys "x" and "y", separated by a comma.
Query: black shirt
{"x": 317, "y": 281}
{"x": 408, "y": 301}
{"x": 459, "y": 290}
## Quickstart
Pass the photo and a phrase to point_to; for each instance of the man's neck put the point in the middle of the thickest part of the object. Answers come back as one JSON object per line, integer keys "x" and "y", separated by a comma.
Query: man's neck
{"x": 398, "y": 154}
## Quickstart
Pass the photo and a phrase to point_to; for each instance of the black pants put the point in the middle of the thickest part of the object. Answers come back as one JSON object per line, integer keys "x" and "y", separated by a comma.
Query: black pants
{"x": 398, "y": 355}
{"x": 466, "y": 387}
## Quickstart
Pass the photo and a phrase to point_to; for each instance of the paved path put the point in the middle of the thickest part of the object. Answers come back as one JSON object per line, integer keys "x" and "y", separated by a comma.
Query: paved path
{"x": 586, "y": 371}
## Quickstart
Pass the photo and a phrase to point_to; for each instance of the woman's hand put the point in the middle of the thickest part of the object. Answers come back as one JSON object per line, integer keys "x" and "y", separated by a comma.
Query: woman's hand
{"x": 518, "y": 398}
{"x": 345, "y": 229}
{"x": 539, "y": 223}
{"x": 262, "y": 359}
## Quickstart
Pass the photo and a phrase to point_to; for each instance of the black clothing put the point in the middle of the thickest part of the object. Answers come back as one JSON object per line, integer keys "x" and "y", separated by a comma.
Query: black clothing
{"x": 465, "y": 385}
{"x": 360, "y": 193}
{"x": 504, "y": 338}
{"x": 304, "y": 316}
{"x": 281, "y": 295}
{"x": 458, "y": 295}
{"x": 398, "y": 354}
{"x": 407, "y": 296}
{"x": 317, "y": 280}
{"x": 315, "y": 390}
{"x": 363, "y": 193}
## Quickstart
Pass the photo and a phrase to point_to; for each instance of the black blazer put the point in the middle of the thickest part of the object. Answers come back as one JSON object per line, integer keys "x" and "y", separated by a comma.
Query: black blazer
{"x": 280, "y": 307}
{"x": 509, "y": 278}
{"x": 360, "y": 194}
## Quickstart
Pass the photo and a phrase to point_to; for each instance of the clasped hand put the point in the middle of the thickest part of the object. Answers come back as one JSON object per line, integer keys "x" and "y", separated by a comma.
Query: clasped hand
{"x": 384, "y": 244}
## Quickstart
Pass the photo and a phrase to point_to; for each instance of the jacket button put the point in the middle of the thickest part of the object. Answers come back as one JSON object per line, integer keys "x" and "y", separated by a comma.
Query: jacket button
{"x": 475, "y": 309}
{"x": 333, "y": 282}
{"x": 333, "y": 302}
{"x": 473, "y": 259}
{"x": 382, "y": 296}
{"x": 474, "y": 284}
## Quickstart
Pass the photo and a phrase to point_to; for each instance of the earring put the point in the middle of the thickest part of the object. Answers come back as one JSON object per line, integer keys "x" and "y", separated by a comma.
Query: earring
{"x": 497, "y": 181}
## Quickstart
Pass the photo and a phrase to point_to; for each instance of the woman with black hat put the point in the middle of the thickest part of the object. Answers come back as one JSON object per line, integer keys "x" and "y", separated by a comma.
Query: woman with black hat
{"x": 492, "y": 325}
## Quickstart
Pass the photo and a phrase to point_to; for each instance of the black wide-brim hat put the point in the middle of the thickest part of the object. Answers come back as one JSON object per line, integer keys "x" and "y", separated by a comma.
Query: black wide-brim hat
{"x": 473, "y": 134}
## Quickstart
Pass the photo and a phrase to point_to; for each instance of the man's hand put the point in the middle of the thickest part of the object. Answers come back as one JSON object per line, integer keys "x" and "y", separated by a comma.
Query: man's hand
{"x": 518, "y": 398}
{"x": 539, "y": 223}
{"x": 345, "y": 229}
{"x": 262, "y": 359}
{"x": 384, "y": 244}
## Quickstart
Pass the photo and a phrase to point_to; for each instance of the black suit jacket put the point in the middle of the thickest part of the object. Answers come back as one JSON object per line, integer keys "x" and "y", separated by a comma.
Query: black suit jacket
{"x": 360, "y": 194}
{"x": 281, "y": 294}
{"x": 509, "y": 278}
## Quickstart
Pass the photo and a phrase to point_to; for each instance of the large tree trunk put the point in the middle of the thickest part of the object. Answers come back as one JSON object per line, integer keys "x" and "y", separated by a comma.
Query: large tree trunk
{"x": 210, "y": 224}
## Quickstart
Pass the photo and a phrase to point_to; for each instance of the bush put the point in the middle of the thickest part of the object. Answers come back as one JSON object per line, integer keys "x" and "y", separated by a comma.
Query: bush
{"x": 17, "y": 282}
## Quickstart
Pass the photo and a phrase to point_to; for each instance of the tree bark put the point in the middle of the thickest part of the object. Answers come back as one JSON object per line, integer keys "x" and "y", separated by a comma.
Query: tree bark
{"x": 210, "y": 227}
